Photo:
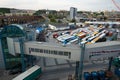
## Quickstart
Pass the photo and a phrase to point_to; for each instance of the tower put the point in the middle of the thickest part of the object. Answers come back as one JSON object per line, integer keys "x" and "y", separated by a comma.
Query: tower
{"x": 73, "y": 13}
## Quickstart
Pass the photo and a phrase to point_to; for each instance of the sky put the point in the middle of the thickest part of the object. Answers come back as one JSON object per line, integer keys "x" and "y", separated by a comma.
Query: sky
{"x": 86, "y": 5}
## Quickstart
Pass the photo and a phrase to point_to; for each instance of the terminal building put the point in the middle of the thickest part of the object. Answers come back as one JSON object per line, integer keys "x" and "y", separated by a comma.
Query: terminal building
{"x": 8, "y": 35}
{"x": 16, "y": 48}
{"x": 7, "y": 61}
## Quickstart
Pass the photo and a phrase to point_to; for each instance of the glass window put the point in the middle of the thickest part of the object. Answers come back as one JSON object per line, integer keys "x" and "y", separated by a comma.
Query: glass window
{"x": 60, "y": 53}
{"x": 32, "y": 49}
{"x": 52, "y": 52}
{"x": 41, "y": 50}
{"x": 36, "y": 50}
{"x": 45, "y": 51}
{"x": 49, "y": 52}
{"x": 69, "y": 55}
{"x": 55, "y": 52}
{"x": 66, "y": 53}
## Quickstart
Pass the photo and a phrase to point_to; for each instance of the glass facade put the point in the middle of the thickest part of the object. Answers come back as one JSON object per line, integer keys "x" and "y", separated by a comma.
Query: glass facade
{"x": 12, "y": 31}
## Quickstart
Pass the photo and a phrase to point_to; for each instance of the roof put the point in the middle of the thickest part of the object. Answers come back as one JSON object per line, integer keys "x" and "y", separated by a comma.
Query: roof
{"x": 26, "y": 73}
{"x": 51, "y": 44}
{"x": 19, "y": 26}
{"x": 103, "y": 44}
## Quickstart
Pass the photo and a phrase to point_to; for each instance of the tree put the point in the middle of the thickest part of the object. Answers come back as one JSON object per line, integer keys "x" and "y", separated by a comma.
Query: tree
{"x": 40, "y": 12}
{"x": 73, "y": 20}
{"x": 52, "y": 20}
{"x": 4, "y": 10}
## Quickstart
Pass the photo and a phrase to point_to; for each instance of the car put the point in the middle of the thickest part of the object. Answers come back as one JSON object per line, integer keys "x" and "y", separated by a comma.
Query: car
{"x": 66, "y": 32}
{"x": 15, "y": 71}
{"x": 55, "y": 35}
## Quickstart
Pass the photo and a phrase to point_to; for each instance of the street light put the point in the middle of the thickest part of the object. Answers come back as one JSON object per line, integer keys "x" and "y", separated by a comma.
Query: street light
{"x": 21, "y": 41}
{"x": 82, "y": 48}
{"x": 79, "y": 64}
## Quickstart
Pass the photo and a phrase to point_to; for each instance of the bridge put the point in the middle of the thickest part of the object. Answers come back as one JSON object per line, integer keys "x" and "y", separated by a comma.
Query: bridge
{"x": 97, "y": 51}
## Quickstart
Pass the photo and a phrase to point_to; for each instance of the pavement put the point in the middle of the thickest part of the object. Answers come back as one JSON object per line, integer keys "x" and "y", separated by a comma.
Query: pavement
{"x": 4, "y": 75}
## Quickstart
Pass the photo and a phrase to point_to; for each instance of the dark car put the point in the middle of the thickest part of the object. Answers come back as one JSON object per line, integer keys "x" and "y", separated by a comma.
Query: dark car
{"x": 15, "y": 71}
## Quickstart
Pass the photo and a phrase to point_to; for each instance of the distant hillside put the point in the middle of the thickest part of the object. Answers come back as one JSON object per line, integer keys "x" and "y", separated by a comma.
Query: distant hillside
{"x": 4, "y": 10}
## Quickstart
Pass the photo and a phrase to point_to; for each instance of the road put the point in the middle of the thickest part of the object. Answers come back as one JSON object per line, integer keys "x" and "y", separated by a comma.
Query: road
{"x": 58, "y": 69}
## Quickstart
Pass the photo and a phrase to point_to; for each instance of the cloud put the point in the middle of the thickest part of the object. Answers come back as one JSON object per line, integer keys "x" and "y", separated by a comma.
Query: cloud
{"x": 59, "y": 4}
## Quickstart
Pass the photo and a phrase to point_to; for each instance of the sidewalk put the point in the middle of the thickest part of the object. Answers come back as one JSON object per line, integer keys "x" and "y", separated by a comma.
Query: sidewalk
{"x": 4, "y": 75}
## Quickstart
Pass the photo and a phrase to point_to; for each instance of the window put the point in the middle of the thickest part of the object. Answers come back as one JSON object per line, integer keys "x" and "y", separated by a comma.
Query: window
{"x": 55, "y": 52}
{"x": 69, "y": 55}
{"x": 52, "y": 52}
{"x": 32, "y": 49}
{"x": 66, "y": 53}
{"x": 45, "y": 51}
{"x": 41, "y": 50}
{"x": 37, "y": 50}
{"x": 60, "y": 53}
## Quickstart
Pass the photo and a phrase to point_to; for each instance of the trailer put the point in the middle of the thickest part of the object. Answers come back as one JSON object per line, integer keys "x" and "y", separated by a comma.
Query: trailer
{"x": 30, "y": 74}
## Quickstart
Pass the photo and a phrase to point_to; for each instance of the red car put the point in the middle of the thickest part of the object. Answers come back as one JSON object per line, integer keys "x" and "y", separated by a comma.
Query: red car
{"x": 55, "y": 35}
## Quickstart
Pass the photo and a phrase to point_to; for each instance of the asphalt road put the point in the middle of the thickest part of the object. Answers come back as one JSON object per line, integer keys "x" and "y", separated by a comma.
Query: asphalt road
{"x": 58, "y": 69}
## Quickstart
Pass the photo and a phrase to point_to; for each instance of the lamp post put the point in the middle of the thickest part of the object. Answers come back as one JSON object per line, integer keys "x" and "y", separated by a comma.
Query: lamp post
{"x": 82, "y": 48}
{"x": 22, "y": 53}
{"x": 79, "y": 64}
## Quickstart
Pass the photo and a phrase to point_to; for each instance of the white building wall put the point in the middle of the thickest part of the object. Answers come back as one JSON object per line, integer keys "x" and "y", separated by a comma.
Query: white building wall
{"x": 97, "y": 51}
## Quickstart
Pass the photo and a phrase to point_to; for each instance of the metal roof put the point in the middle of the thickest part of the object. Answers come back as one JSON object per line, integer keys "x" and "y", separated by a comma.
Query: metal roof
{"x": 103, "y": 44}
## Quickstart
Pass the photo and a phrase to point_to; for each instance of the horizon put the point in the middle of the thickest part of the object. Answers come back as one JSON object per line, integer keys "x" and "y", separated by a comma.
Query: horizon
{"x": 86, "y": 5}
{"x": 63, "y": 10}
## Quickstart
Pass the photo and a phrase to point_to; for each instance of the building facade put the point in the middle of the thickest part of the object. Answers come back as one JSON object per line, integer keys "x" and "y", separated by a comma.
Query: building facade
{"x": 21, "y": 12}
{"x": 73, "y": 13}
{"x": 8, "y": 61}
{"x": 6, "y": 20}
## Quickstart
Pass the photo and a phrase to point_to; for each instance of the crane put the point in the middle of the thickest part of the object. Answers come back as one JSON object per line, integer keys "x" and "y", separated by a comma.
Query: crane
{"x": 114, "y": 2}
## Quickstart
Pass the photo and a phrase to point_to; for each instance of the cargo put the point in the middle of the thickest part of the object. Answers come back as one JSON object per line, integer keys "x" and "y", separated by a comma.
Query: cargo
{"x": 101, "y": 74}
{"x": 117, "y": 71}
{"x": 94, "y": 75}
{"x": 110, "y": 33}
{"x": 87, "y": 75}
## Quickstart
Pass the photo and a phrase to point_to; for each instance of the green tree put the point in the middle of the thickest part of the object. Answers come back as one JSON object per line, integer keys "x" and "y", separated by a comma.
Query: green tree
{"x": 40, "y": 12}
{"x": 73, "y": 20}
{"x": 52, "y": 20}
{"x": 4, "y": 10}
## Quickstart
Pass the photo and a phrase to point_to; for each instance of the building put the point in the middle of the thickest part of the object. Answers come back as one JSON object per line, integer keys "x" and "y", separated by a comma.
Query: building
{"x": 7, "y": 61}
{"x": 6, "y": 20}
{"x": 73, "y": 13}
{"x": 8, "y": 34}
{"x": 21, "y": 12}
{"x": 112, "y": 15}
